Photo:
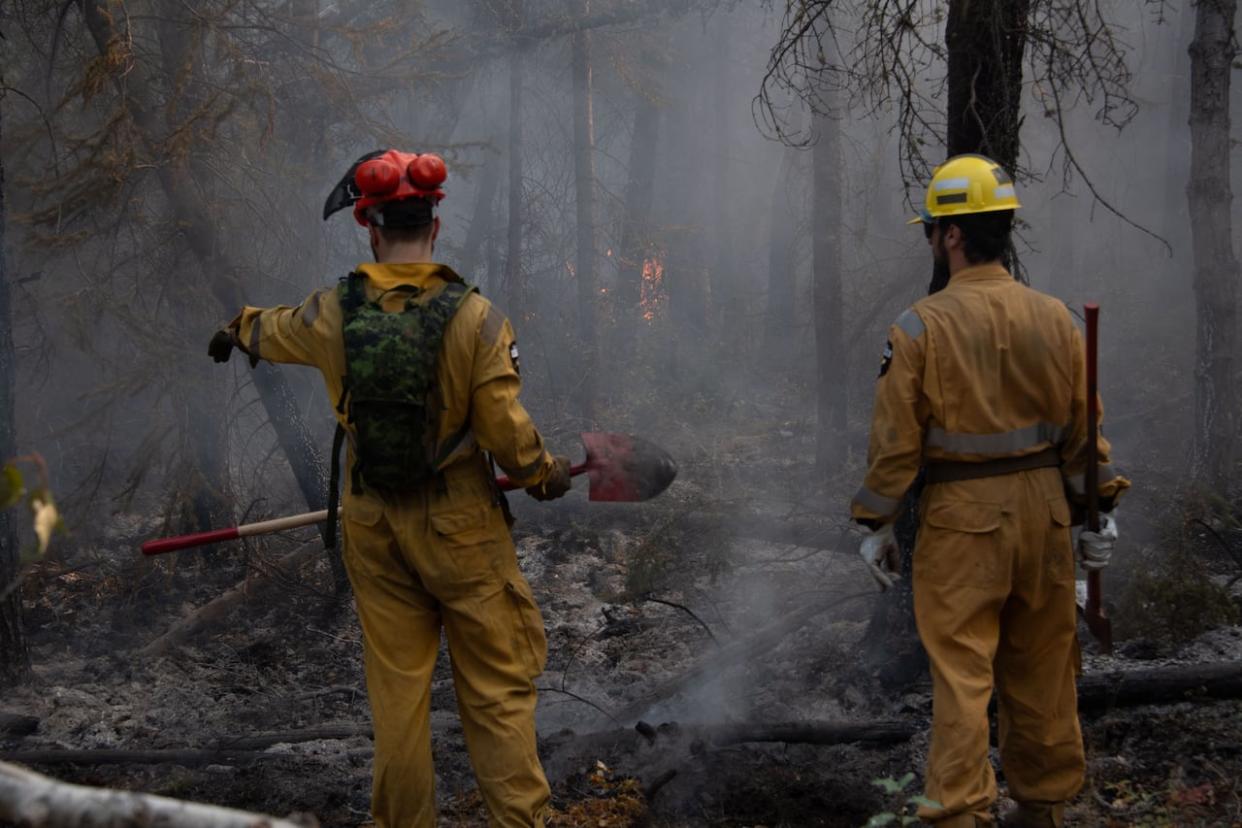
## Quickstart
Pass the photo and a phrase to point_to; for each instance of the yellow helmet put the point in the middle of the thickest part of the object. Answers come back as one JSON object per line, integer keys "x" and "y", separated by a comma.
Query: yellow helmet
{"x": 967, "y": 184}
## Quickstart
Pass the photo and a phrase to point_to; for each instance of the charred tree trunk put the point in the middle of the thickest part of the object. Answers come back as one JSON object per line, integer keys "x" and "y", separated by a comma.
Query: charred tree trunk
{"x": 636, "y": 225}
{"x": 584, "y": 181}
{"x": 986, "y": 42}
{"x": 14, "y": 656}
{"x": 515, "y": 287}
{"x": 1216, "y": 268}
{"x": 831, "y": 397}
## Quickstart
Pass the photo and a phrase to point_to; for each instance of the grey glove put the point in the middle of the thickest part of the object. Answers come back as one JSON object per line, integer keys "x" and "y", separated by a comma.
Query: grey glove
{"x": 881, "y": 554}
{"x": 1095, "y": 549}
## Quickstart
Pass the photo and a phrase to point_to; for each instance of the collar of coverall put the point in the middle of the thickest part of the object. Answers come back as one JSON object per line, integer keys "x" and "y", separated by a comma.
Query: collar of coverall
{"x": 419, "y": 274}
{"x": 981, "y": 273}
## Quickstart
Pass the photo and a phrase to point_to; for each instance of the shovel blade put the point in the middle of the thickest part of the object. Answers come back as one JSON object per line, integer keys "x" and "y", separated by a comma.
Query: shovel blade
{"x": 625, "y": 469}
{"x": 1087, "y": 595}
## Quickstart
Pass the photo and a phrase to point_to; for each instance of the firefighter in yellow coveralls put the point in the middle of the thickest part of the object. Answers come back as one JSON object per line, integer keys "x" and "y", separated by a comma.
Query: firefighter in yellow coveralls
{"x": 983, "y": 383}
{"x": 439, "y": 554}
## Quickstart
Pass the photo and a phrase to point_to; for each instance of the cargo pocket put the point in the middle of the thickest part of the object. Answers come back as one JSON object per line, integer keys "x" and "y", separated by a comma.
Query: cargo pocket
{"x": 958, "y": 545}
{"x": 463, "y": 527}
{"x": 1060, "y": 548}
{"x": 529, "y": 640}
{"x": 361, "y": 519}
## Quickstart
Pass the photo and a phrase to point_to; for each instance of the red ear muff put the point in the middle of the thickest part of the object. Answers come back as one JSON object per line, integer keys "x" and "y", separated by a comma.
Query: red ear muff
{"x": 427, "y": 172}
{"x": 377, "y": 177}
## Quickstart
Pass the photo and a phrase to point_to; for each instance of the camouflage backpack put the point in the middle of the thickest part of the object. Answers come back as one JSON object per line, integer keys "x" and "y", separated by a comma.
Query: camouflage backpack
{"x": 390, "y": 381}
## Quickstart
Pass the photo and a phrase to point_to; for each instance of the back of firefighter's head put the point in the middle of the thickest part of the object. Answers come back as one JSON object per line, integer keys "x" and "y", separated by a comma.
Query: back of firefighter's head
{"x": 969, "y": 210}
{"x": 394, "y": 195}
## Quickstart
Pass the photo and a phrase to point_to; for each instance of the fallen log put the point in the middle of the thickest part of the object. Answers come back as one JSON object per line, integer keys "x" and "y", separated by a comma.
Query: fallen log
{"x": 221, "y": 608}
{"x": 35, "y": 801}
{"x": 225, "y": 750}
{"x": 1160, "y": 685}
{"x": 17, "y": 724}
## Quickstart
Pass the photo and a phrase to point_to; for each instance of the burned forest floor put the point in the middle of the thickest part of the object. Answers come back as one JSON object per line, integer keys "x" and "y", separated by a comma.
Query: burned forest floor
{"x": 698, "y": 614}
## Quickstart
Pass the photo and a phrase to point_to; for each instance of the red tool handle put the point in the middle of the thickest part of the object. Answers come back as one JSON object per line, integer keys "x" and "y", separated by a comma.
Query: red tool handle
{"x": 1093, "y": 452}
{"x": 162, "y": 545}
{"x": 507, "y": 485}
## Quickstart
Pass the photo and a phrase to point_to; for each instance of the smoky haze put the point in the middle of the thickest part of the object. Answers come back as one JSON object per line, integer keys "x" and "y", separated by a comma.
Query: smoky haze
{"x": 167, "y": 163}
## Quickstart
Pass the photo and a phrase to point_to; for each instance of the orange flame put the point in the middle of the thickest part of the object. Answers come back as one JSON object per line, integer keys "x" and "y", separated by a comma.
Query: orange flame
{"x": 652, "y": 298}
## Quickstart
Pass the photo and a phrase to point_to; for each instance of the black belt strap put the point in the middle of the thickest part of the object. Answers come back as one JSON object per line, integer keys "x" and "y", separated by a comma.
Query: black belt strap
{"x": 952, "y": 471}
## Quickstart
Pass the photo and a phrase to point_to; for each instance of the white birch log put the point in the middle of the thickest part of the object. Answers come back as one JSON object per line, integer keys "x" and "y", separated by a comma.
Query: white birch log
{"x": 30, "y": 800}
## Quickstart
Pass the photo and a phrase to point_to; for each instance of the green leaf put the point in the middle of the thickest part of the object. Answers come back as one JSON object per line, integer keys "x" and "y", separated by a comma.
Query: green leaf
{"x": 12, "y": 487}
{"x": 924, "y": 802}
{"x": 905, "y": 781}
{"x": 881, "y": 819}
{"x": 888, "y": 785}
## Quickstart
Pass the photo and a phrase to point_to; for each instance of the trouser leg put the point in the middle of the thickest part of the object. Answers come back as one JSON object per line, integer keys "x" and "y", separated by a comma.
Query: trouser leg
{"x": 960, "y": 583}
{"x": 401, "y": 635}
{"x": 1036, "y": 665}
{"x": 497, "y": 646}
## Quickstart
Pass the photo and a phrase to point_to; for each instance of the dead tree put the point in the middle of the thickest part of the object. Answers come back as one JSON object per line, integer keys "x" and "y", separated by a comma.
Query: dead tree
{"x": 223, "y": 276}
{"x": 639, "y": 194}
{"x": 831, "y": 395}
{"x": 778, "y": 344}
{"x": 1216, "y": 268}
{"x": 584, "y": 188}
{"x": 515, "y": 287}
{"x": 14, "y": 656}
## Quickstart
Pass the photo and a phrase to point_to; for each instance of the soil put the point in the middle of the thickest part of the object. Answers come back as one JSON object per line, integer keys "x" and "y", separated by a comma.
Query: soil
{"x": 295, "y": 663}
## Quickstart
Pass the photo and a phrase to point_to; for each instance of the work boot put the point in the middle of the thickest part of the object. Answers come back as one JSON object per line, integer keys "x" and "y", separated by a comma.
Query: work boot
{"x": 1036, "y": 815}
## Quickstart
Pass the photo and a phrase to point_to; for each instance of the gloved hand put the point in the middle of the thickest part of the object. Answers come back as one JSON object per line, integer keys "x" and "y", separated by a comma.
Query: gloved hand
{"x": 556, "y": 484}
{"x": 881, "y": 554}
{"x": 1095, "y": 549}
{"x": 221, "y": 347}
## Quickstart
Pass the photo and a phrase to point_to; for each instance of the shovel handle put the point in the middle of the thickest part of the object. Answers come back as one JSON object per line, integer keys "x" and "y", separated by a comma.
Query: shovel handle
{"x": 1092, "y": 477}
{"x": 162, "y": 545}
{"x": 507, "y": 485}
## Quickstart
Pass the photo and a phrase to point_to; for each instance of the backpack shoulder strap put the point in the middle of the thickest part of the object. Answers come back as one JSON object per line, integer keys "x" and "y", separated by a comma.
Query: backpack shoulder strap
{"x": 352, "y": 292}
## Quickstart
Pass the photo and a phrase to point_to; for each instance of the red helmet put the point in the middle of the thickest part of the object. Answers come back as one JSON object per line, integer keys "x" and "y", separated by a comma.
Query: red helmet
{"x": 388, "y": 175}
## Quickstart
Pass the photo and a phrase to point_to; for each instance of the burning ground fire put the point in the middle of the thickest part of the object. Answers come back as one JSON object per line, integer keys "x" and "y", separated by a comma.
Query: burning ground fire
{"x": 651, "y": 299}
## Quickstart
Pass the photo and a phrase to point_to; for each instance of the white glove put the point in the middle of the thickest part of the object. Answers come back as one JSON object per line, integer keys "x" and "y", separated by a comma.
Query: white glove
{"x": 1095, "y": 549}
{"x": 880, "y": 553}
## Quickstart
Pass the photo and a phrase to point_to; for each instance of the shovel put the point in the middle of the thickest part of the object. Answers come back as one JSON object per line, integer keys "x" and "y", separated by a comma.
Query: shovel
{"x": 620, "y": 468}
{"x": 1100, "y": 625}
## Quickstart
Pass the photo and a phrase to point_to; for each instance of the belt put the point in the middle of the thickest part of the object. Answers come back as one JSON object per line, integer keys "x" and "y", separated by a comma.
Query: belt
{"x": 952, "y": 471}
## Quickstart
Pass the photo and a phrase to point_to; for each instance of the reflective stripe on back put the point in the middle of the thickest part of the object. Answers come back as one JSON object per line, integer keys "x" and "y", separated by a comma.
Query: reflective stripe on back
{"x": 1005, "y": 442}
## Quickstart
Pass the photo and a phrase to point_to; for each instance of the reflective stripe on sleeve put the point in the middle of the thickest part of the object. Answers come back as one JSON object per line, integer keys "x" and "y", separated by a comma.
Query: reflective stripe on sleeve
{"x": 911, "y": 324}
{"x": 1078, "y": 482}
{"x": 1005, "y": 442}
{"x": 877, "y": 503}
{"x": 253, "y": 348}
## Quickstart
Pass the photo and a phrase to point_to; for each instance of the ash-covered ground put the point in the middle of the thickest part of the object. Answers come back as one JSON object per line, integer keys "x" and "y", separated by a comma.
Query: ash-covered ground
{"x": 634, "y": 598}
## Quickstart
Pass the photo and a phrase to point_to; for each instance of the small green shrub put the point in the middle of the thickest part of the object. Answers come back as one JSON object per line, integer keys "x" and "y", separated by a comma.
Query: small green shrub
{"x": 905, "y": 807}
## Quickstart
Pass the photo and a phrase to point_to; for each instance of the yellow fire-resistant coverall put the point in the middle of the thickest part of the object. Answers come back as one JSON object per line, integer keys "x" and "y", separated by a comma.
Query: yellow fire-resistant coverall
{"x": 986, "y": 369}
{"x": 441, "y": 555}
